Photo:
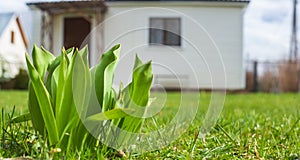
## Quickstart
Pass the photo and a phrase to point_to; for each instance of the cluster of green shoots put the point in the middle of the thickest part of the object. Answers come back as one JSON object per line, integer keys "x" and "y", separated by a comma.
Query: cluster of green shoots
{"x": 74, "y": 106}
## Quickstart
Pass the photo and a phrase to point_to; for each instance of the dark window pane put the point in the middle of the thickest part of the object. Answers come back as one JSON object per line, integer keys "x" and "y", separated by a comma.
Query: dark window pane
{"x": 156, "y": 36}
{"x": 172, "y": 39}
{"x": 165, "y": 31}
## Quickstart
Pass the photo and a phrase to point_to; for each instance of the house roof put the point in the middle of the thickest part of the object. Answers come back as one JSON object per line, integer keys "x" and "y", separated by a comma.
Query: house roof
{"x": 246, "y": 1}
{"x": 57, "y": 6}
{"x": 58, "y": 1}
{"x": 4, "y": 21}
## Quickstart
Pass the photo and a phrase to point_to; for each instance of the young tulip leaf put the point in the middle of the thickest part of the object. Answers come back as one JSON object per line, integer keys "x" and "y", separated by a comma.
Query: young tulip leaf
{"x": 21, "y": 118}
{"x": 35, "y": 111}
{"x": 67, "y": 99}
{"x": 41, "y": 59}
{"x": 109, "y": 115}
{"x": 104, "y": 76}
{"x": 44, "y": 102}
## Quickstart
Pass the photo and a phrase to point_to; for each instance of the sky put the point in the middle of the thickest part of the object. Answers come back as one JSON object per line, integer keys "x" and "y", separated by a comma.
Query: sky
{"x": 267, "y": 27}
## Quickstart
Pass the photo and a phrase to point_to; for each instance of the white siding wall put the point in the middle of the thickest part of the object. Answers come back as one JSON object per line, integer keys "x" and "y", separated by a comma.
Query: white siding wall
{"x": 14, "y": 53}
{"x": 58, "y": 34}
{"x": 212, "y": 36}
{"x": 36, "y": 30}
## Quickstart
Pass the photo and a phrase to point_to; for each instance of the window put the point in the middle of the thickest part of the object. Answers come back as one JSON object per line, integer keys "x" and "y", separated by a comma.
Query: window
{"x": 165, "y": 31}
{"x": 12, "y": 37}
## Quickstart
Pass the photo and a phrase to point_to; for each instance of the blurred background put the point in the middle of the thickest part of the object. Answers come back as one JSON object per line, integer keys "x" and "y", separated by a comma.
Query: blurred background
{"x": 270, "y": 42}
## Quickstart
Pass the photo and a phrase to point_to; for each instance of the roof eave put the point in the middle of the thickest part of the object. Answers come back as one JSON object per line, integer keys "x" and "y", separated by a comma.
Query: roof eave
{"x": 68, "y": 6}
{"x": 234, "y": 4}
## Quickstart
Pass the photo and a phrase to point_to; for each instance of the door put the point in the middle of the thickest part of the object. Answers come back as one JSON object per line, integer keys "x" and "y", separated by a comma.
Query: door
{"x": 76, "y": 30}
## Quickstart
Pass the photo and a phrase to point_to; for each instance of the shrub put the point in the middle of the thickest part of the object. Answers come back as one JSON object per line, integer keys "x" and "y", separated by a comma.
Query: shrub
{"x": 249, "y": 81}
{"x": 269, "y": 81}
{"x": 288, "y": 77}
{"x": 8, "y": 84}
{"x": 21, "y": 80}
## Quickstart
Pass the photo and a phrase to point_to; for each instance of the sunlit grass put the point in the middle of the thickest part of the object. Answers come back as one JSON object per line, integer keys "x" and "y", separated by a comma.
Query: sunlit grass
{"x": 8, "y": 99}
{"x": 251, "y": 126}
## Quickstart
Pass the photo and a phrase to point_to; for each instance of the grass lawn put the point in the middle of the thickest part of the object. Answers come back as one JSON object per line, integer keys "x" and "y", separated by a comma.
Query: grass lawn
{"x": 251, "y": 126}
{"x": 8, "y": 99}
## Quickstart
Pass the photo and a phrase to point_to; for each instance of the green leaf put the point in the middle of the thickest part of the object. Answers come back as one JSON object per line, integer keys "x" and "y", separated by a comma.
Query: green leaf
{"x": 109, "y": 115}
{"x": 65, "y": 108}
{"x": 44, "y": 102}
{"x": 81, "y": 83}
{"x": 104, "y": 76}
{"x": 41, "y": 59}
{"x": 72, "y": 92}
{"x": 141, "y": 83}
{"x": 69, "y": 52}
{"x": 136, "y": 98}
{"x": 21, "y": 118}
{"x": 93, "y": 105}
{"x": 84, "y": 54}
{"x": 62, "y": 71}
{"x": 35, "y": 111}
{"x": 53, "y": 74}
{"x": 137, "y": 62}
{"x": 52, "y": 78}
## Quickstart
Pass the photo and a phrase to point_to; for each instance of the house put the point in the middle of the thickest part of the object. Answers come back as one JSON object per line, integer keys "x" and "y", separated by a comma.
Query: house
{"x": 13, "y": 45}
{"x": 194, "y": 44}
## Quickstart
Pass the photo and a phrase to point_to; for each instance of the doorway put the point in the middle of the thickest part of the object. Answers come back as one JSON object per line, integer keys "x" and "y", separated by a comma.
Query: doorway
{"x": 76, "y": 30}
